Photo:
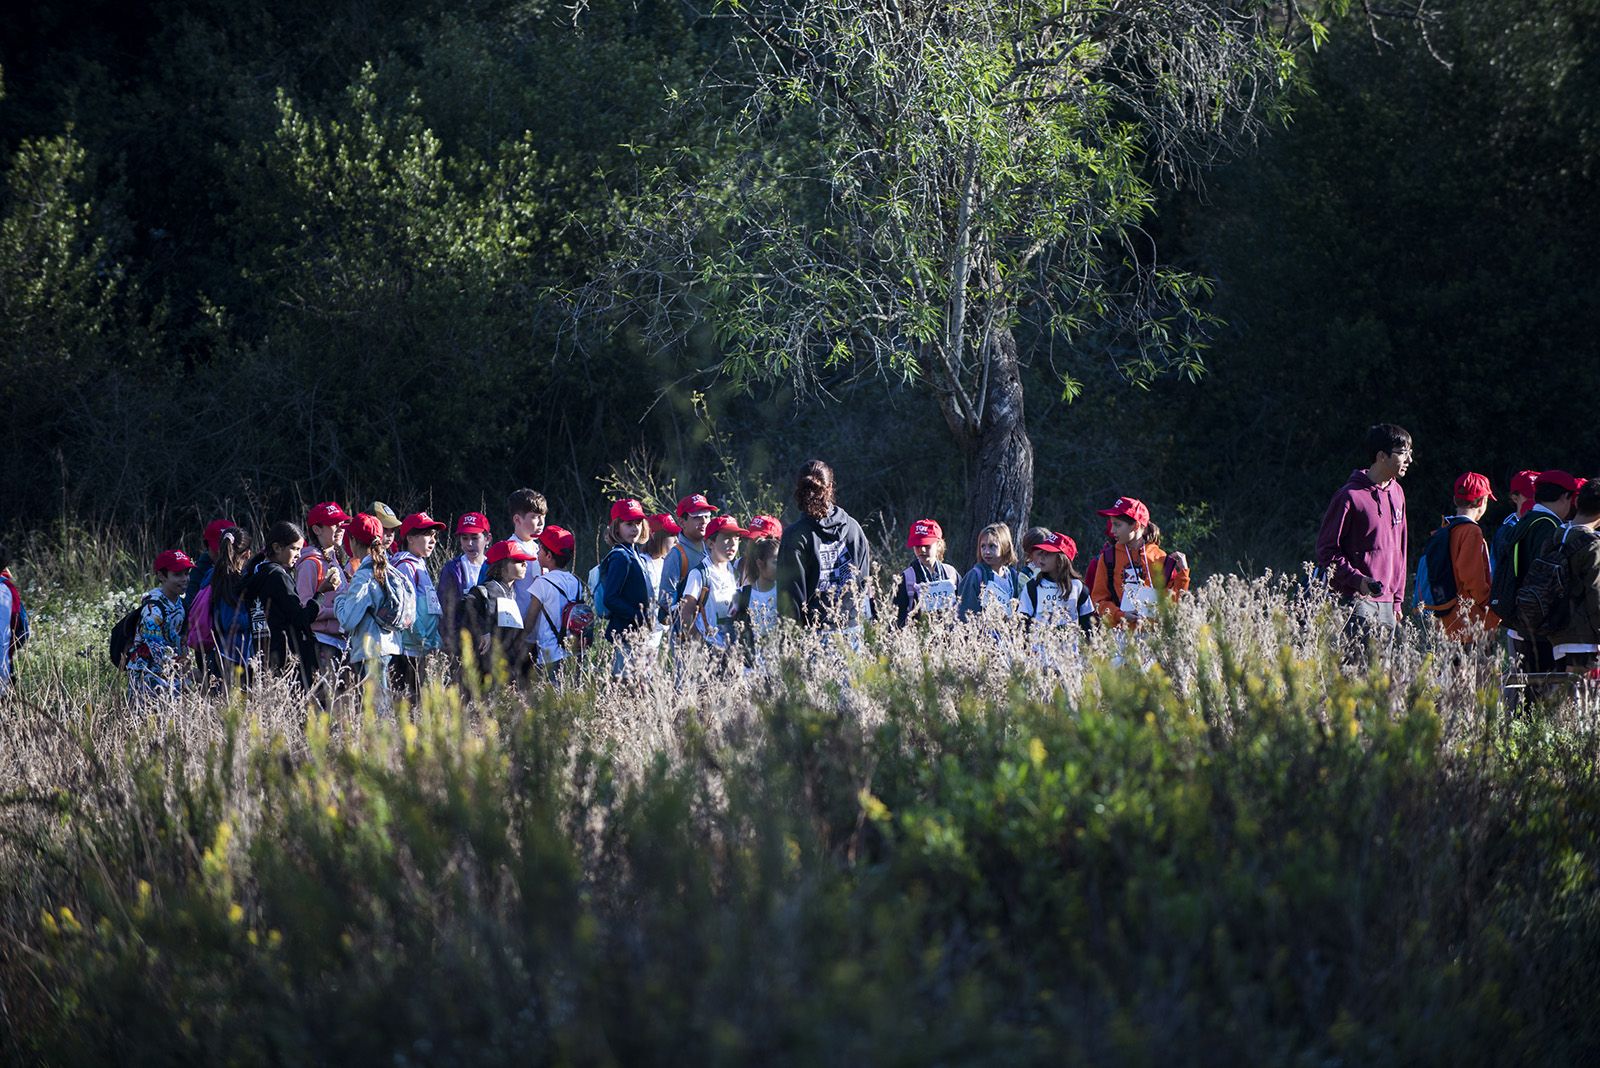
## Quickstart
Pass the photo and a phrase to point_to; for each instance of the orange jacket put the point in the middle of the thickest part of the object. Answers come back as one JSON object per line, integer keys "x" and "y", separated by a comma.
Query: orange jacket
{"x": 1469, "y": 559}
{"x": 1150, "y": 561}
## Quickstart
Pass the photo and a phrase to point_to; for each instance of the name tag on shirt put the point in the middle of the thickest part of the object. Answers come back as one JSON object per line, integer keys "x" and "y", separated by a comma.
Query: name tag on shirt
{"x": 507, "y": 614}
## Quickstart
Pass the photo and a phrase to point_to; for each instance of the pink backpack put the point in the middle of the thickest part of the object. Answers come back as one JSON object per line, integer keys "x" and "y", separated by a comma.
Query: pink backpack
{"x": 199, "y": 633}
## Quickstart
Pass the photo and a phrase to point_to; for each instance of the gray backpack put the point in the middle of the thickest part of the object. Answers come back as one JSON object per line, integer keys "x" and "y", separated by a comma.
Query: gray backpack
{"x": 398, "y": 611}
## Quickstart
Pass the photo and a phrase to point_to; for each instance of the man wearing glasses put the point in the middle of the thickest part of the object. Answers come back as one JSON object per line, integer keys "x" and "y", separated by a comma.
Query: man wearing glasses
{"x": 1361, "y": 549}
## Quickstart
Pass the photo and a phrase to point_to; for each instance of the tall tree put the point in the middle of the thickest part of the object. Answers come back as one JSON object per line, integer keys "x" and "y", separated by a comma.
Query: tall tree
{"x": 903, "y": 189}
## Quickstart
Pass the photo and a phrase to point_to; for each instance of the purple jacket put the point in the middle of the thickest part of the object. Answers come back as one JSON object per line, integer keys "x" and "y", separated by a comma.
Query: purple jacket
{"x": 1364, "y": 536}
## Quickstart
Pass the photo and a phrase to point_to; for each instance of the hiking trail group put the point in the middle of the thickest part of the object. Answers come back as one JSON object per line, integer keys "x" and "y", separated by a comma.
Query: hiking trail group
{"x": 347, "y": 600}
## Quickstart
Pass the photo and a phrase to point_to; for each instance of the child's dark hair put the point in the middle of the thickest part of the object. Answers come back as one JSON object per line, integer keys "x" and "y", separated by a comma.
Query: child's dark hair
{"x": 282, "y": 533}
{"x": 1588, "y": 501}
{"x": 1037, "y": 536}
{"x": 228, "y": 574}
{"x": 813, "y": 491}
{"x": 761, "y": 550}
{"x": 1386, "y": 438}
{"x": 1549, "y": 492}
{"x": 523, "y": 501}
{"x": 500, "y": 571}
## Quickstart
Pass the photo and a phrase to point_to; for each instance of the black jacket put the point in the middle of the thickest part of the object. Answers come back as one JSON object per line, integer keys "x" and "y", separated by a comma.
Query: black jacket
{"x": 823, "y": 568}
{"x": 289, "y": 638}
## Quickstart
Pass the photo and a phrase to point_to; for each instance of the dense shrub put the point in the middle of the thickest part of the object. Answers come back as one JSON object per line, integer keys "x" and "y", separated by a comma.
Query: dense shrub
{"x": 913, "y": 856}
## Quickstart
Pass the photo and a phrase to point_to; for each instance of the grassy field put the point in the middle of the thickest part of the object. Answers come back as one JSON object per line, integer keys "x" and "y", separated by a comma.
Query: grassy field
{"x": 1212, "y": 844}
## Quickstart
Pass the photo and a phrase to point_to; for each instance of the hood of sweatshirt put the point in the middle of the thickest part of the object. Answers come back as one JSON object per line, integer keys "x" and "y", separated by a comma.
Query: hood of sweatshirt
{"x": 832, "y": 526}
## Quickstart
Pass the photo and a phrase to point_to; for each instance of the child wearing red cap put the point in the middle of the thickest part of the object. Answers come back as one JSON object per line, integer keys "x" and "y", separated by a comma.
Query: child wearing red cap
{"x": 709, "y": 590}
{"x": 663, "y": 533}
{"x": 1522, "y": 489}
{"x": 417, "y": 535}
{"x": 624, "y": 581}
{"x": 691, "y": 549}
{"x": 157, "y": 657}
{"x": 754, "y": 612}
{"x": 1553, "y": 494}
{"x": 929, "y": 584}
{"x": 371, "y": 643}
{"x": 549, "y": 594}
{"x": 325, "y": 523}
{"x": 1055, "y": 595}
{"x": 490, "y": 614}
{"x": 201, "y": 576}
{"x": 1575, "y": 645}
{"x": 1453, "y": 578}
{"x": 993, "y": 584}
{"x": 460, "y": 574}
{"x": 1135, "y": 572}
{"x": 13, "y": 620}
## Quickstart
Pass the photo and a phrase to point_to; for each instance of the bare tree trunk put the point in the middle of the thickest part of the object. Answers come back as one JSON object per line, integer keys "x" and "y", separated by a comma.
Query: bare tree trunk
{"x": 1002, "y": 485}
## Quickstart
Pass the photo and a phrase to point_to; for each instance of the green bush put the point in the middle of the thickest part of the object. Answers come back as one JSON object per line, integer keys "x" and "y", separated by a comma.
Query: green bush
{"x": 1277, "y": 864}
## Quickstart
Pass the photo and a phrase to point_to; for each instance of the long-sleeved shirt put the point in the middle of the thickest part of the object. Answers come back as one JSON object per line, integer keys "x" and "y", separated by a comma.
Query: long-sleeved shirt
{"x": 1363, "y": 536}
{"x": 309, "y": 572}
{"x": 289, "y": 619}
{"x": 1469, "y": 563}
{"x": 456, "y": 579}
{"x": 158, "y": 641}
{"x": 423, "y": 635}
{"x": 627, "y": 591}
{"x": 1149, "y": 564}
{"x": 356, "y": 604}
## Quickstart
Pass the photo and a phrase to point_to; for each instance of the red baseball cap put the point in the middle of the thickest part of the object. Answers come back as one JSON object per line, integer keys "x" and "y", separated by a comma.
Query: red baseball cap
{"x": 1557, "y": 477}
{"x": 472, "y": 523}
{"x": 213, "y": 534}
{"x": 924, "y": 532}
{"x": 174, "y": 560}
{"x": 1523, "y": 483}
{"x": 1134, "y": 511}
{"x": 364, "y": 529}
{"x": 326, "y": 514}
{"x": 414, "y": 522}
{"x": 626, "y": 509}
{"x": 724, "y": 524}
{"x": 557, "y": 540}
{"x": 1473, "y": 487}
{"x": 1059, "y": 543}
{"x": 663, "y": 521}
{"x": 510, "y": 549}
{"x": 764, "y": 526}
{"x": 695, "y": 503}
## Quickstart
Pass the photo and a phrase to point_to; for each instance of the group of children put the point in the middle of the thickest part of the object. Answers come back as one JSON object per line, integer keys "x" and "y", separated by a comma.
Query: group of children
{"x": 350, "y": 598}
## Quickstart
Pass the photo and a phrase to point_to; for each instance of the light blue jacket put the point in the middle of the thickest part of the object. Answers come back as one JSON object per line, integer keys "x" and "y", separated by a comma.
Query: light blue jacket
{"x": 423, "y": 635}
{"x": 355, "y": 605}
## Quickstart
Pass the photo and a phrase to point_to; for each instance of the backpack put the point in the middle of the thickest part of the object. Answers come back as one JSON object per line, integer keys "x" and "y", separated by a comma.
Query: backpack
{"x": 19, "y": 615}
{"x": 1435, "y": 587}
{"x": 1504, "y": 585}
{"x": 577, "y": 620}
{"x": 599, "y": 592}
{"x": 1544, "y": 599}
{"x": 1171, "y": 564}
{"x": 126, "y": 629}
{"x": 683, "y": 569}
{"x": 398, "y": 609}
{"x": 200, "y": 635}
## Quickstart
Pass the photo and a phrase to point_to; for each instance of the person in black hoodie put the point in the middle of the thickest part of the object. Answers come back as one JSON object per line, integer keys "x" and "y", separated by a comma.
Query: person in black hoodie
{"x": 290, "y": 643}
{"x": 824, "y": 562}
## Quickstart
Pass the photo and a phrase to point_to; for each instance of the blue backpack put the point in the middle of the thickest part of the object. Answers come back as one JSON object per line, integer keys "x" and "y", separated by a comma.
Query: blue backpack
{"x": 1435, "y": 587}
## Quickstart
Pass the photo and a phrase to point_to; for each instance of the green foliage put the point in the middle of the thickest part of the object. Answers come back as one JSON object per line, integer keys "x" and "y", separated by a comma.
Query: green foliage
{"x": 1279, "y": 864}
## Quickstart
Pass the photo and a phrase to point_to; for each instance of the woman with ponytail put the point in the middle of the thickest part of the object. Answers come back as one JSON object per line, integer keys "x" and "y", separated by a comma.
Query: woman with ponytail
{"x": 824, "y": 562}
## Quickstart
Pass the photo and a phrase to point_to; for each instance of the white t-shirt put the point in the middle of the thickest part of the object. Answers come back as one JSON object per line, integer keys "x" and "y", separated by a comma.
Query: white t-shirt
{"x": 555, "y": 590}
{"x": 525, "y": 584}
{"x": 1057, "y": 607}
{"x": 717, "y": 584}
{"x": 764, "y": 609}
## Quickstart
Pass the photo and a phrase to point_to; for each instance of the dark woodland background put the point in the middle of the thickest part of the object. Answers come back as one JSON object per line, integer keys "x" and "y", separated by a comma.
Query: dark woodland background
{"x": 254, "y": 255}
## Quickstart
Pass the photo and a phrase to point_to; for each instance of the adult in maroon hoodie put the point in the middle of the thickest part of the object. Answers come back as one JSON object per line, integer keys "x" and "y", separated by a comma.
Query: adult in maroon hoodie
{"x": 1361, "y": 548}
